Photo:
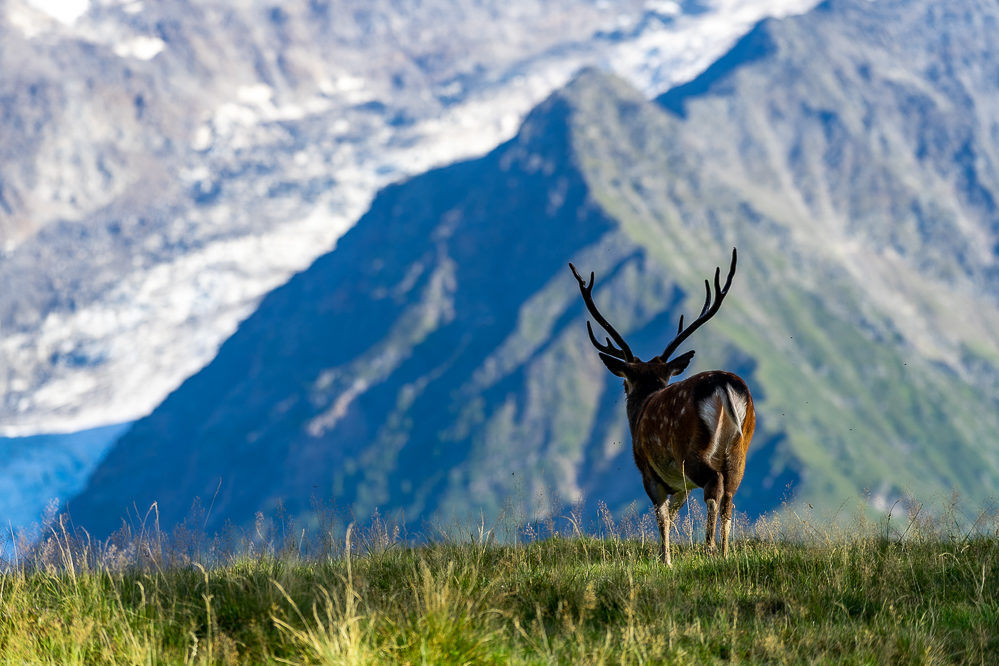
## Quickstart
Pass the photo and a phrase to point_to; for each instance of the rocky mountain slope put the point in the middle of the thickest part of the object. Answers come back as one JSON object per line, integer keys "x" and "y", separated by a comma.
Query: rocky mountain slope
{"x": 163, "y": 165}
{"x": 436, "y": 364}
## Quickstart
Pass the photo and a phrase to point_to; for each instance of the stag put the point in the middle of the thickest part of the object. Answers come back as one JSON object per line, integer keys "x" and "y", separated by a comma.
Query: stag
{"x": 690, "y": 434}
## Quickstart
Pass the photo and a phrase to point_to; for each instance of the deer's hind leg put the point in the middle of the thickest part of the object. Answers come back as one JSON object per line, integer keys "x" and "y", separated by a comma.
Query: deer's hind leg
{"x": 726, "y": 521}
{"x": 713, "y": 495}
{"x": 733, "y": 478}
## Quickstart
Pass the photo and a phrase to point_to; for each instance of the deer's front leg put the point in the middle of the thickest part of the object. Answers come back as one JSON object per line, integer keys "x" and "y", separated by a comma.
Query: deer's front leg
{"x": 662, "y": 517}
{"x": 659, "y": 494}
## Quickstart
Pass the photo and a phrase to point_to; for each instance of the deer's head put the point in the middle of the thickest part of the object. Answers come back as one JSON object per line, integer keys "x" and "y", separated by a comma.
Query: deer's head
{"x": 644, "y": 377}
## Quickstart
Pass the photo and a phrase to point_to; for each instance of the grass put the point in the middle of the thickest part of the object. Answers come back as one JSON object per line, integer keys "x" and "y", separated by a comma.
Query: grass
{"x": 790, "y": 592}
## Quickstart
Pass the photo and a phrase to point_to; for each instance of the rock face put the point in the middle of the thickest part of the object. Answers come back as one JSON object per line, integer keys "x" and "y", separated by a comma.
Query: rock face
{"x": 436, "y": 364}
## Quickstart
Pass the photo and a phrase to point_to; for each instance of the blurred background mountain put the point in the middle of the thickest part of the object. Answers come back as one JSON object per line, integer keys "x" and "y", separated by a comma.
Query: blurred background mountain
{"x": 434, "y": 365}
{"x": 163, "y": 165}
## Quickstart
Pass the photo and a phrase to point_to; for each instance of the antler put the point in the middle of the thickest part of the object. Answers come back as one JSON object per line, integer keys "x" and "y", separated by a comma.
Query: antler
{"x": 707, "y": 312}
{"x": 624, "y": 353}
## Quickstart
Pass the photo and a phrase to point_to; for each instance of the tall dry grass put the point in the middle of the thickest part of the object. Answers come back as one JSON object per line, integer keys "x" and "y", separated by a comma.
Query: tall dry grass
{"x": 911, "y": 587}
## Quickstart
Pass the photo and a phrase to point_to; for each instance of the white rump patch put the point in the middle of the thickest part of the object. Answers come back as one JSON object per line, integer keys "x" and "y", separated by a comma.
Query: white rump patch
{"x": 710, "y": 408}
{"x": 723, "y": 412}
{"x": 738, "y": 404}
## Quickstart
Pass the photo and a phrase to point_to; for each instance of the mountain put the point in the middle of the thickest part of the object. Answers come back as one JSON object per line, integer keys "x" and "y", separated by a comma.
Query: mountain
{"x": 164, "y": 165}
{"x": 434, "y": 357}
{"x": 436, "y": 366}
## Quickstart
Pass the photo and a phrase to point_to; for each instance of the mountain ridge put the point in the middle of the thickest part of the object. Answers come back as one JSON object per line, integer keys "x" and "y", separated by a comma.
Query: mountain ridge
{"x": 754, "y": 45}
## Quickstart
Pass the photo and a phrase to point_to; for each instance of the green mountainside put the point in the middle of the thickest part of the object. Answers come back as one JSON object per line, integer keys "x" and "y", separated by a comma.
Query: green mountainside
{"x": 435, "y": 366}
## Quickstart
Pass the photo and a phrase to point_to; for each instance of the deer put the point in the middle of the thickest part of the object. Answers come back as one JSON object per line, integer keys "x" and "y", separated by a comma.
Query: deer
{"x": 689, "y": 434}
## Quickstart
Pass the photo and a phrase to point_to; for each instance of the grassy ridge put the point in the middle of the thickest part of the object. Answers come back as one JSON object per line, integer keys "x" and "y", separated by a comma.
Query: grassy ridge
{"x": 863, "y": 597}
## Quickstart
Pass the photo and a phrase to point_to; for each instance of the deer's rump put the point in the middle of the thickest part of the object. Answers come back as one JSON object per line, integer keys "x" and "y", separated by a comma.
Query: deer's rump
{"x": 691, "y": 430}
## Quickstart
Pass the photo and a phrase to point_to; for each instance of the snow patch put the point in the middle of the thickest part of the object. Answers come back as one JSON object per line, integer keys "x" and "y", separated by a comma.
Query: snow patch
{"x": 141, "y": 48}
{"x": 29, "y": 21}
{"x": 202, "y": 139}
{"x": 259, "y": 94}
{"x": 64, "y": 11}
{"x": 199, "y": 298}
{"x": 664, "y": 7}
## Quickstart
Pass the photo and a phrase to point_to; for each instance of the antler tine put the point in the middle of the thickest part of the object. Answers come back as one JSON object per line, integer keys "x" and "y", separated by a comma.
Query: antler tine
{"x": 707, "y": 312}
{"x": 624, "y": 353}
{"x": 608, "y": 348}
{"x": 707, "y": 296}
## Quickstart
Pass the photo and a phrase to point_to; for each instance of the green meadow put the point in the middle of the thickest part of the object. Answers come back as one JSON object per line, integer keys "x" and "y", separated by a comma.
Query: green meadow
{"x": 794, "y": 589}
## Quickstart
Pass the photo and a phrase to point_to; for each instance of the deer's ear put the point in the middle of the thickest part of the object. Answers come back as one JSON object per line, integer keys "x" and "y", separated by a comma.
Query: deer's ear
{"x": 615, "y": 365}
{"x": 679, "y": 364}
